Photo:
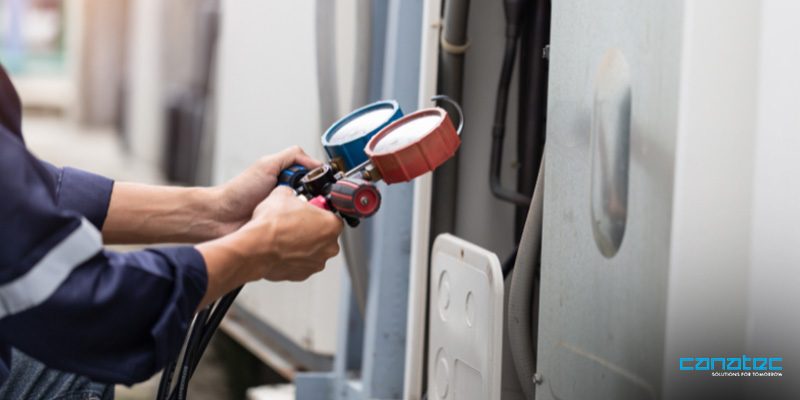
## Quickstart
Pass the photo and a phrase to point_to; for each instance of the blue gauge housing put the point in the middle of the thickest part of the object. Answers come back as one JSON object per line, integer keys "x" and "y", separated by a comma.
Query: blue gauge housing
{"x": 351, "y": 150}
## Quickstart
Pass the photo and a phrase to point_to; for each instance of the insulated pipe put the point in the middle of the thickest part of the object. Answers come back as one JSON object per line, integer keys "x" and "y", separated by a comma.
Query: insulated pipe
{"x": 509, "y": 384}
{"x": 522, "y": 296}
{"x": 453, "y": 44}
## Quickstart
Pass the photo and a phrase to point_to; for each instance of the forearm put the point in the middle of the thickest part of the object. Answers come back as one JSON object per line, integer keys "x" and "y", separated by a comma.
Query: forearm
{"x": 140, "y": 213}
{"x": 226, "y": 269}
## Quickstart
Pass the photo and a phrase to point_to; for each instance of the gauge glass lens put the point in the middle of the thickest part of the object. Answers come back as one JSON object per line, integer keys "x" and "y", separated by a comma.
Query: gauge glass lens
{"x": 407, "y": 133}
{"x": 361, "y": 125}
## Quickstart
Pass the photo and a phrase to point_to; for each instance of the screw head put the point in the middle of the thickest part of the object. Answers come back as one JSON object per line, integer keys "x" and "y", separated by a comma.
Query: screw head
{"x": 364, "y": 201}
{"x": 537, "y": 378}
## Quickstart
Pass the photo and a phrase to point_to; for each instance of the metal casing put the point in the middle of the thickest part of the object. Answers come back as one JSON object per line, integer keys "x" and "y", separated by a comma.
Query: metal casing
{"x": 420, "y": 156}
{"x": 351, "y": 153}
{"x": 612, "y": 119}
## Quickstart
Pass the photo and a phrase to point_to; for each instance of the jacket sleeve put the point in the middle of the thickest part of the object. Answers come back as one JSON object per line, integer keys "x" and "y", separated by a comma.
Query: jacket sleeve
{"x": 83, "y": 192}
{"x": 114, "y": 317}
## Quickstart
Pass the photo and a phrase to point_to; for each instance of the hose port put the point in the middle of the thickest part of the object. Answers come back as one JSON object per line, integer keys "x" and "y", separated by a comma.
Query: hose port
{"x": 318, "y": 179}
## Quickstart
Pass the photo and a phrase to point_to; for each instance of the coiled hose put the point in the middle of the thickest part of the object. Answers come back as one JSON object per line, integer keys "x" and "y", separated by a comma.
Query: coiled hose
{"x": 523, "y": 285}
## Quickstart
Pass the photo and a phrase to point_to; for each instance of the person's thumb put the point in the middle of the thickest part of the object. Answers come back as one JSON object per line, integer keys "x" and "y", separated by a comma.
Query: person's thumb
{"x": 283, "y": 191}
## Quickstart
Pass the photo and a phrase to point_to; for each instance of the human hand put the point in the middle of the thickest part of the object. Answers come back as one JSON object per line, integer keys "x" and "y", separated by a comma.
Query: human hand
{"x": 287, "y": 239}
{"x": 295, "y": 239}
{"x": 237, "y": 198}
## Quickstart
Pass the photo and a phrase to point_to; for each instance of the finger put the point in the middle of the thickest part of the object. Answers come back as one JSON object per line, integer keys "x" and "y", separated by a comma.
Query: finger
{"x": 283, "y": 191}
{"x": 300, "y": 274}
{"x": 296, "y": 155}
{"x": 335, "y": 223}
{"x": 331, "y": 224}
{"x": 307, "y": 161}
{"x": 332, "y": 250}
{"x": 318, "y": 267}
{"x": 299, "y": 278}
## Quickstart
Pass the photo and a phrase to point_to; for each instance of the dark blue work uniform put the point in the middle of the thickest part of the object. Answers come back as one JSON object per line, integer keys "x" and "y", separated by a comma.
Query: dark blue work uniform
{"x": 114, "y": 317}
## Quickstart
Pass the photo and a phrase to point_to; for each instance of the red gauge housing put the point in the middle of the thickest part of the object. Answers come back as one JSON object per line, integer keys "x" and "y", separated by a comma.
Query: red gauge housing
{"x": 421, "y": 155}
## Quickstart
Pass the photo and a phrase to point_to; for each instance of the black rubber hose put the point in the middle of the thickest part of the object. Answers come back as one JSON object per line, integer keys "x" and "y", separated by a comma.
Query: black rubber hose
{"x": 499, "y": 126}
{"x": 166, "y": 381}
{"x": 515, "y": 11}
{"x": 211, "y": 326}
{"x": 201, "y": 332}
{"x": 194, "y": 334}
{"x": 532, "y": 102}
{"x": 182, "y": 386}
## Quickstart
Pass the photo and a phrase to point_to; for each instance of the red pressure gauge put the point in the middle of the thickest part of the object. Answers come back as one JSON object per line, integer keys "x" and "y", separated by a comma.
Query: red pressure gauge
{"x": 413, "y": 145}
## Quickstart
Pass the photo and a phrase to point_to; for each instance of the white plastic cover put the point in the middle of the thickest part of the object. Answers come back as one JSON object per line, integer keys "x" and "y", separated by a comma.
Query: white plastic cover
{"x": 465, "y": 321}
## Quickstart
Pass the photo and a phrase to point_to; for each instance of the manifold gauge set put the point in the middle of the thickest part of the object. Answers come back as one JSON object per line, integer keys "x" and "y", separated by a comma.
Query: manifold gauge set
{"x": 375, "y": 143}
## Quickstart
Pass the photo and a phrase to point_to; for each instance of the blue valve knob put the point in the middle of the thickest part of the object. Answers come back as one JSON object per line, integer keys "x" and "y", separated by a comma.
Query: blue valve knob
{"x": 291, "y": 176}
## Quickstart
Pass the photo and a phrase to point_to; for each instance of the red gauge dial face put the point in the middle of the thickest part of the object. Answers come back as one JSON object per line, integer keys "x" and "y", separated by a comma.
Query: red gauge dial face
{"x": 408, "y": 133}
{"x": 413, "y": 145}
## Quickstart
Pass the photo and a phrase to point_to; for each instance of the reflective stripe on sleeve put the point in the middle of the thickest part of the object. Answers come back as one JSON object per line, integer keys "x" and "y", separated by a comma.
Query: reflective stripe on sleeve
{"x": 41, "y": 281}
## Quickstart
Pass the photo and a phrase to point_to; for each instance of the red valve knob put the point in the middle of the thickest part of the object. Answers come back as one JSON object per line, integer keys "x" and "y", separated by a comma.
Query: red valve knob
{"x": 355, "y": 197}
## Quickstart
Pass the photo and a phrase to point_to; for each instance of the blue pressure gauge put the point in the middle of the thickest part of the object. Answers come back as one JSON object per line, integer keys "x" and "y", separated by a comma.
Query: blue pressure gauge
{"x": 345, "y": 140}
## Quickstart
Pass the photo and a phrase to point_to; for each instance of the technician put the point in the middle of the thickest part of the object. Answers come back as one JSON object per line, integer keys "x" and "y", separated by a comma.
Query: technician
{"x": 111, "y": 317}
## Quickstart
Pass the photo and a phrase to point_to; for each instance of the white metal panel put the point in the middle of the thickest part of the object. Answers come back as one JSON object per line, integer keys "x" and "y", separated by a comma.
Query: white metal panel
{"x": 602, "y": 317}
{"x": 465, "y": 317}
{"x": 711, "y": 228}
{"x": 735, "y": 240}
{"x": 772, "y": 325}
{"x": 707, "y": 265}
{"x": 268, "y": 101}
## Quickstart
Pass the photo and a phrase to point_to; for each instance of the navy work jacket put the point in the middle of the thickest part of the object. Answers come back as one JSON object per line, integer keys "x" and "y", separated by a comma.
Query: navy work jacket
{"x": 64, "y": 300}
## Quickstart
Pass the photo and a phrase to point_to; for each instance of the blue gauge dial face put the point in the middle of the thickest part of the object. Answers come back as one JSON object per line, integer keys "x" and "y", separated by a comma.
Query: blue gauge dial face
{"x": 361, "y": 125}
